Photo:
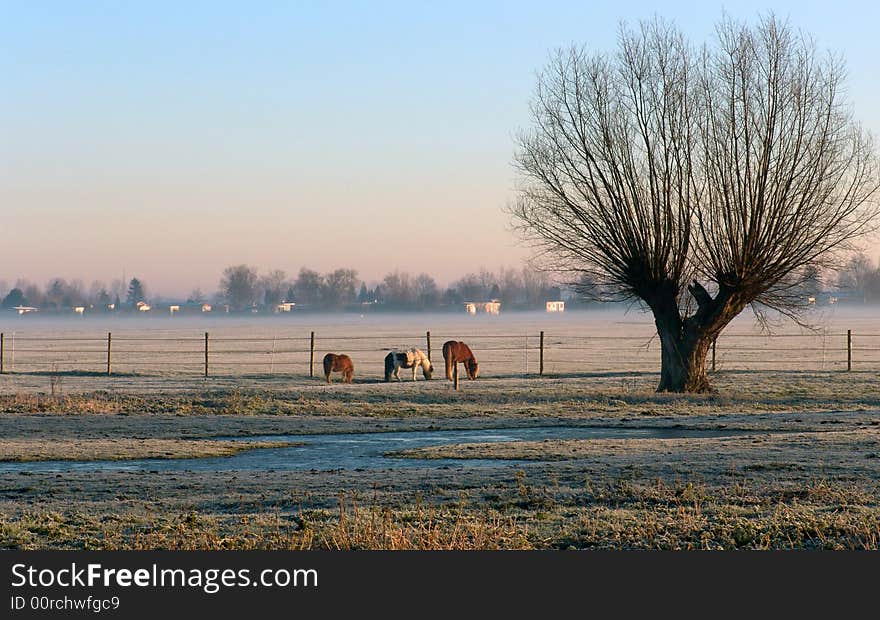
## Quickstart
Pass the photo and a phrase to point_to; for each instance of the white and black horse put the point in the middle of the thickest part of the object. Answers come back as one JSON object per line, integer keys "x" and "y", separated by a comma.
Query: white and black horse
{"x": 411, "y": 358}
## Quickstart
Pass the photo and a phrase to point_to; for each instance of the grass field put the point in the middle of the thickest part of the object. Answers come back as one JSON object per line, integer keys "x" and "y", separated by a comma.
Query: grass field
{"x": 804, "y": 472}
{"x": 506, "y": 345}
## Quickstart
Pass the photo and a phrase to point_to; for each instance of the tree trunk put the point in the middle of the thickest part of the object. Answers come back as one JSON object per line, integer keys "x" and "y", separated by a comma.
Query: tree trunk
{"x": 683, "y": 359}
{"x": 685, "y": 342}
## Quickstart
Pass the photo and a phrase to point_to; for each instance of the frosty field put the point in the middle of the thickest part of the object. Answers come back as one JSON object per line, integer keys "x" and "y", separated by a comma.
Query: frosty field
{"x": 785, "y": 453}
{"x": 599, "y": 341}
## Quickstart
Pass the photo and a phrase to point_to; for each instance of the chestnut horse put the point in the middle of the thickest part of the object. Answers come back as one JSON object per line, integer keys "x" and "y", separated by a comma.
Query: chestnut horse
{"x": 455, "y": 352}
{"x": 340, "y": 363}
{"x": 411, "y": 358}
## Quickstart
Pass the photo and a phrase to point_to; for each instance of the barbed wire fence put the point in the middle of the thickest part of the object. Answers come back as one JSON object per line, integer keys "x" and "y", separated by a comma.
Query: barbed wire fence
{"x": 298, "y": 353}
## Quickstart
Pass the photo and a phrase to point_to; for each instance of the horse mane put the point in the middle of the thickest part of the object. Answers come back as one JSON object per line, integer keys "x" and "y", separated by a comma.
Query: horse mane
{"x": 419, "y": 357}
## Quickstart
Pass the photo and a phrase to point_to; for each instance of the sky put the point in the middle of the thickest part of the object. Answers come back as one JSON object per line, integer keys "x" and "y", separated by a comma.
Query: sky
{"x": 168, "y": 140}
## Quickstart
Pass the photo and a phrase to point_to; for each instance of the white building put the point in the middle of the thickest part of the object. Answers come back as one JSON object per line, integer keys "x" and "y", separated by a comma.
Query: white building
{"x": 489, "y": 307}
{"x": 555, "y": 306}
{"x": 492, "y": 307}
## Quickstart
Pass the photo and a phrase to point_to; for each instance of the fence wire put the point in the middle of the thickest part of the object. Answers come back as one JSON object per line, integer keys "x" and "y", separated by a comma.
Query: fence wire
{"x": 498, "y": 353}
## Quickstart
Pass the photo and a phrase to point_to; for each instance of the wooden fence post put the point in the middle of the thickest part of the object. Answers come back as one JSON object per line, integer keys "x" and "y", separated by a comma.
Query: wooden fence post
{"x": 849, "y": 349}
{"x": 109, "y": 341}
{"x": 206, "y": 355}
{"x": 2, "y": 370}
{"x": 455, "y": 376}
{"x": 312, "y": 356}
{"x": 714, "y": 340}
{"x": 428, "y": 339}
{"x": 541, "y": 356}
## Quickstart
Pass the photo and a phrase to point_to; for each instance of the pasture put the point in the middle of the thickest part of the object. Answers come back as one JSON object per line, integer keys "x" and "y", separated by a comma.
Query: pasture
{"x": 600, "y": 341}
{"x": 785, "y": 453}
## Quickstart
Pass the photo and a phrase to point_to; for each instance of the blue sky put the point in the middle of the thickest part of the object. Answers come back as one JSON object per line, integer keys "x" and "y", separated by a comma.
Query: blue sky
{"x": 174, "y": 138}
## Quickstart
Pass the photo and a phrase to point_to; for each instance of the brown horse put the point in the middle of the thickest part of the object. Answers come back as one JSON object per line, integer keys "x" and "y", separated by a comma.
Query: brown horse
{"x": 455, "y": 352}
{"x": 340, "y": 363}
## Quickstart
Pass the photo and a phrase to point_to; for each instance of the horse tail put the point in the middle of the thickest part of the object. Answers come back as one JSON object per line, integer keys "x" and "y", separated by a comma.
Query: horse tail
{"x": 448, "y": 358}
{"x": 389, "y": 366}
{"x": 328, "y": 366}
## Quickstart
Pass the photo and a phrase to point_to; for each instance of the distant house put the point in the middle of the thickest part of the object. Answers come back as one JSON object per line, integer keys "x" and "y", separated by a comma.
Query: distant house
{"x": 555, "y": 306}
{"x": 173, "y": 309}
{"x": 79, "y": 310}
{"x": 285, "y": 306}
{"x": 206, "y": 307}
{"x": 143, "y": 306}
{"x": 24, "y": 309}
{"x": 492, "y": 307}
{"x": 489, "y": 307}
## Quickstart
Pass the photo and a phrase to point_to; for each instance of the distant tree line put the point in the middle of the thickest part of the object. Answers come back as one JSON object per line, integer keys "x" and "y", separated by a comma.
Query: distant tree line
{"x": 60, "y": 294}
{"x": 243, "y": 289}
{"x": 859, "y": 279}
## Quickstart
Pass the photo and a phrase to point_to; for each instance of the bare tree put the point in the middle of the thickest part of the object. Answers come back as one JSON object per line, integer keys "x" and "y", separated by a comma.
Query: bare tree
{"x": 63, "y": 294}
{"x": 99, "y": 297}
{"x": 196, "y": 296}
{"x": 238, "y": 286}
{"x": 307, "y": 288}
{"x": 339, "y": 288}
{"x": 31, "y": 292}
{"x": 426, "y": 292}
{"x": 536, "y": 286}
{"x": 274, "y": 285}
{"x": 397, "y": 289}
{"x": 471, "y": 287}
{"x": 854, "y": 275}
{"x": 697, "y": 182}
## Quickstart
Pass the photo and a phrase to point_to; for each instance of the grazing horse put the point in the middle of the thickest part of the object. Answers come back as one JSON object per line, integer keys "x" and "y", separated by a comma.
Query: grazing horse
{"x": 340, "y": 363}
{"x": 411, "y": 358}
{"x": 455, "y": 352}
